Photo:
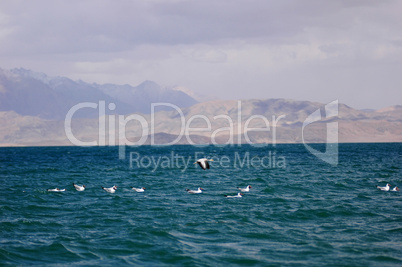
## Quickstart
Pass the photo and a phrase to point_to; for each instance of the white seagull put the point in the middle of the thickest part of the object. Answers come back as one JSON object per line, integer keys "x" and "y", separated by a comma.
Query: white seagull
{"x": 203, "y": 163}
{"x": 142, "y": 189}
{"x": 79, "y": 187}
{"x": 110, "y": 189}
{"x": 238, "y": 195}
{"x": 395, "y": 189}
{"x": 245, "y": 189}
{"x": 198, "y": 191}
{"x": 56, "y": 190}
{"x": 384, "y": 188}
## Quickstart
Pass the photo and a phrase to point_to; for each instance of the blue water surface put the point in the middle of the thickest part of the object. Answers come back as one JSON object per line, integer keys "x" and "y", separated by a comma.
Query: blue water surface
{"x": 300, "y": 211}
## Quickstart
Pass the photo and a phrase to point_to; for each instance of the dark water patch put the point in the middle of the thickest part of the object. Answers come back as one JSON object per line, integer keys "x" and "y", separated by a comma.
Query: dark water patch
{"x": 386, "y": 259}
{"x": 395, "y": 230}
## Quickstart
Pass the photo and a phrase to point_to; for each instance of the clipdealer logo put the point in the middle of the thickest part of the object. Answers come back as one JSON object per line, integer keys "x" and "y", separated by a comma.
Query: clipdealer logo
{"x": 237, "y": 130}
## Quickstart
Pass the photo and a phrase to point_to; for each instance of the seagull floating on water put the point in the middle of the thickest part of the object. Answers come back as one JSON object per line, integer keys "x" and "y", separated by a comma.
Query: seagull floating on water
{"x": 203, "y": 163}
{"x": 142, "y": 189}
{"x": 56, "y": 190}
{"x": 395, "y": 189}
{"x": 198, "y": 191}
{"x": 110, "y": 189}
{"x": 79, "y": 187}
{"x": 238, "y": 195}
{"x": 384, "y": 188}
{"x": 245, "y": 189}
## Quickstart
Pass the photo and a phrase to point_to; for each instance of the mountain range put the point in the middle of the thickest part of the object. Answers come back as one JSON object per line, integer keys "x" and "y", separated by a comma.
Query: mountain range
{"x": 36, "y": 94}
{"x": 33, "y": 109}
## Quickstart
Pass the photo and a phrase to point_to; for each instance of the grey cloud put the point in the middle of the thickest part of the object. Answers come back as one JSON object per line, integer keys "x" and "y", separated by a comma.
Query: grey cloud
{"x": 209, "y": 55}
{"x": 107, "y": 26}
{"x": 177, "y": 41}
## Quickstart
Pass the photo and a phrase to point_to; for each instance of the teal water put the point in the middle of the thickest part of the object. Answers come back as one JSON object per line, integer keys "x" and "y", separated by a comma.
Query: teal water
{"x": 300, "y": 211}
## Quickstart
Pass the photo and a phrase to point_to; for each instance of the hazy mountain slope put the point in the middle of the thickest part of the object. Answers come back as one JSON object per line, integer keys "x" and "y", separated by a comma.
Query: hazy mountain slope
{"x": 36, "y": 94}
{"x": 143, "y": 95}
{"x": 28, "y": 96}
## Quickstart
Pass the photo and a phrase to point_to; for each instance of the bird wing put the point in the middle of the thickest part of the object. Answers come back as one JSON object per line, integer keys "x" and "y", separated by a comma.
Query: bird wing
{"x": 206, "y": 164}
{"x": 201, "y": 164}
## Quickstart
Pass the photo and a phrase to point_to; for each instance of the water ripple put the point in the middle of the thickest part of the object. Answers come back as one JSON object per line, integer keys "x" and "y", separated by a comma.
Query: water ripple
{"x": 306, "y": 214}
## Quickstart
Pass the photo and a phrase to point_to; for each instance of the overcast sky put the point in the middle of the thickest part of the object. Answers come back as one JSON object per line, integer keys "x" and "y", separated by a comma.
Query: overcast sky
{"x": 302, "y": 50}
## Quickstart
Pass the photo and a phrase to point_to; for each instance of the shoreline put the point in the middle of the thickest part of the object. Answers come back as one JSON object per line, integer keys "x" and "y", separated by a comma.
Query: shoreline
{"x": 197, "y": 145}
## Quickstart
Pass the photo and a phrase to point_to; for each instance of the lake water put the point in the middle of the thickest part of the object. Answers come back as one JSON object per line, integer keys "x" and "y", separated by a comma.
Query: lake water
{"x": 300, "y": 210}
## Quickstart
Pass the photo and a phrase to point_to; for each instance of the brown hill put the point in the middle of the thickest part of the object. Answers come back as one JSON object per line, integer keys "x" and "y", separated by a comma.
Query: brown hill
{"x": 220, "y": 122}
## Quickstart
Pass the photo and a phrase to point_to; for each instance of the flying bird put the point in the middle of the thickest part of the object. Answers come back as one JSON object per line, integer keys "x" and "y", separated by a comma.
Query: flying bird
{"x": 79, "y": 187}
{"x": 203, "y": 163}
